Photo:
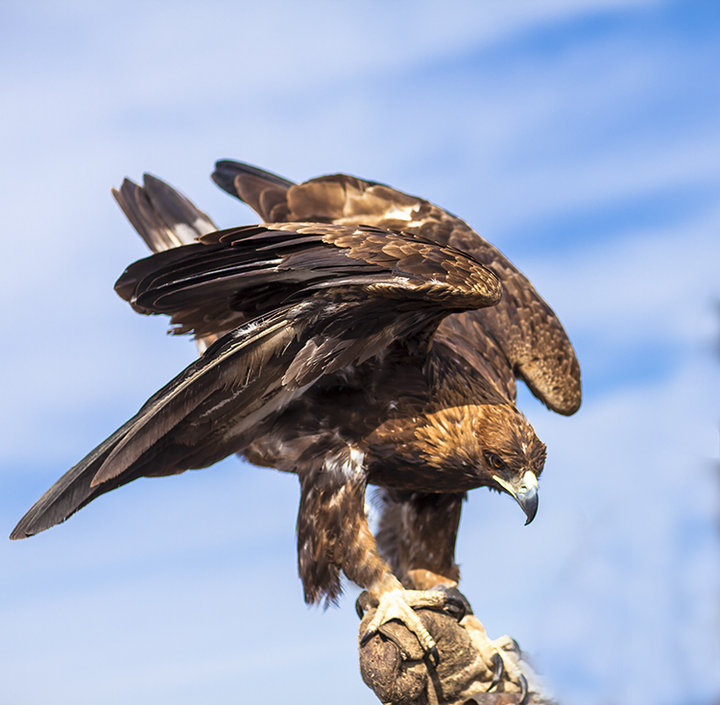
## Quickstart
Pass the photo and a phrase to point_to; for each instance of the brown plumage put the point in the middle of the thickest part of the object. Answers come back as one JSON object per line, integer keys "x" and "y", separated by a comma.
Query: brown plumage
{"x": 359, "y": 336}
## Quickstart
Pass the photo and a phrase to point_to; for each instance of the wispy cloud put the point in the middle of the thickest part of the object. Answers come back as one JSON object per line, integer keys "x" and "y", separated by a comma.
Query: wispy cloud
{"x": 516, "y": 116}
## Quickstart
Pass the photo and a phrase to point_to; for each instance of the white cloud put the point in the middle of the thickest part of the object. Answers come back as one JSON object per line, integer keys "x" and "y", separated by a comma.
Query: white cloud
{"x": 593, "y": 587}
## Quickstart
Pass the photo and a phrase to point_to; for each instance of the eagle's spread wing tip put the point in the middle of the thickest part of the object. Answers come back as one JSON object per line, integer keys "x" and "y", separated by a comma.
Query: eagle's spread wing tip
{"x": 265, "y": 192}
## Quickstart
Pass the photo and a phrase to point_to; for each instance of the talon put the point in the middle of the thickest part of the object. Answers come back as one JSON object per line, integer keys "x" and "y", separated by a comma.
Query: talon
{"x": 524, "y": 689}
{"x": 498, "y": 671}
{"x": 455, "y": 608}
{"x": 399, "y": 605}
{"x": 456, "y": 604}
{"x": 366, "y": 637}
{"x": 512, "y": 646}
{"x": 363, "y": 603}
{"x": 502, "y": 657}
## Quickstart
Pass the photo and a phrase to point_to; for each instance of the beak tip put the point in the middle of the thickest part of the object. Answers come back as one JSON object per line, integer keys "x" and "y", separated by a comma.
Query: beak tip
{"x": 526, "y": 496}
{"x": 529, "y": 505}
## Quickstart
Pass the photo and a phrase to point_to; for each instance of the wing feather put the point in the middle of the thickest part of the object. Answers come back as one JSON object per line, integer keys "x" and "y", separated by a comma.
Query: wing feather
{"x": 263, "y": 191}
{"x": 383, "y": 294}
{"x": 175, "y": 429}
{"x": 522, "y": 336}
{"x": 235, "y": 274}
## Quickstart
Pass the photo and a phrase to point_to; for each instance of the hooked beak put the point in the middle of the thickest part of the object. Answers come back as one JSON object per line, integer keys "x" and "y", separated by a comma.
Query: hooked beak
{"x": 524, "y": 493}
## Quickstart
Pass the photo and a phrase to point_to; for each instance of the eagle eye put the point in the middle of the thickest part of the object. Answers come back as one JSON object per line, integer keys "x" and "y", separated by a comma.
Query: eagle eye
{"x": 495, "y": 461}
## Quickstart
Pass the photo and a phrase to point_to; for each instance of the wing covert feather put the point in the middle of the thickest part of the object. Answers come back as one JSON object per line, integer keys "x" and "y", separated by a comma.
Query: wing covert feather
{"x": 236, "y": 274}
{"x": 522, "y": 326}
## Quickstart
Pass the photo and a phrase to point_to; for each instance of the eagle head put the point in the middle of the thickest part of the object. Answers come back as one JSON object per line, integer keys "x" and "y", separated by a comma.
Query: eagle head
{"x": 483, "y": 445}
{"x": 511, "y": 455}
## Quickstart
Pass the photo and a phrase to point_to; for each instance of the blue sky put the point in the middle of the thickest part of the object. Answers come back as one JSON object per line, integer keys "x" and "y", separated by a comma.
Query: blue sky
{"x": 581, "y": 137}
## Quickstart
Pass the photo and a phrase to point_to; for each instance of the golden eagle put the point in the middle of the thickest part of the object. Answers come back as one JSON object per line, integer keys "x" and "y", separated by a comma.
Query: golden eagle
{"x": 357, "y": 336}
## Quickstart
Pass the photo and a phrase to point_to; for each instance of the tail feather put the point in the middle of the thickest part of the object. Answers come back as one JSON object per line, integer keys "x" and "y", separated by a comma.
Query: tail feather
{"x": 165, "y": 220}
{"x": 163, "y": 217}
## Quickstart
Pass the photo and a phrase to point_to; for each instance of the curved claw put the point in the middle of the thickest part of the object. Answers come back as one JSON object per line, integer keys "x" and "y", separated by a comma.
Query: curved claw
{"x": 363, "y": 603}
{"x": 433, "y": 655}
{"x": 456, "y": 604}
{"x": 366, "y": 637}
{"x": 524, "y": 689}
{"x": 513, "y": 647}
{"x": 455, "y": 608}
{"x": 498, "y": 672}
{"x": 401, "y": 605}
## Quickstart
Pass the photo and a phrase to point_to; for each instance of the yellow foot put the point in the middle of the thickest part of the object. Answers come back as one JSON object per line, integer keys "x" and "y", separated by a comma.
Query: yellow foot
{"x": 504, "y": 655}
{"x": 400, "y": 605}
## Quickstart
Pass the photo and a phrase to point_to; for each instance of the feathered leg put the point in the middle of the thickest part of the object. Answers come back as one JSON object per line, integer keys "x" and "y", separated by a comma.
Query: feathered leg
{"x": 333, "y": 535}
{"x": 417, "y": 535}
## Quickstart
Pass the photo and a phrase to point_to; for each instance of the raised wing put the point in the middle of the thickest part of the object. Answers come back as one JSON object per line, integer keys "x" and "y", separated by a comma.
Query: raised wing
{"x": 263, "y": 191}
{"x": 234, "y": 275}
{"x": 521, "y": 335}
{"x": 351, "y": 293}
